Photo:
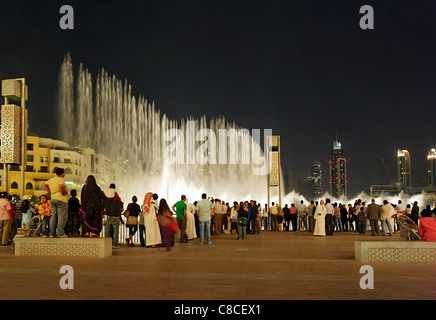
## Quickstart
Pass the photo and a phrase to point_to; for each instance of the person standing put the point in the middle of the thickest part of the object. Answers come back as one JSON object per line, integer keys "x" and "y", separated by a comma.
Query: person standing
{"x": 329, "y": 218}
{"x": 319, "y": 217}
{"x": 242, "y": 221}
{"x": 385, "y": 216}
{"x": 356, "y": 209}
{"x": 362, "y": 220}
{"x": 415, "y": 212}
{"x": 113, "y": 207}
{"x": 217, "y": 209}
{"x": 265, "y": 217}
{"x": 337, "y": 217}
{"x": 166, "y": 224}
{"x": 152, "y": 230}
{"x": 180, "y": 208}
{"x": 344, "y": 217}
{"x": 141, "y": 228}
{"x": 204, "y": 213}
{"x": 5, "y": 218}
{"x": 350, "y": 216}
{"x": 287, "y": 217}
{"x": 27, "y": 212}
{"x": 294, "y": 217}
{"x": 190, "y": 221}
{"x": 44, "y": 209}
{"x": 132, "y": 224}
{"x": 399, "y": 208}
{"x": 373, "y": 214}
{"x": 310, "y": 214}
{"x": 302, "y": 211}
{"x": 273, "y": 214}
{"x": 92, "y": 198}
{"x": 253, "y": 218}
{"x": 73, "y": 224}
{"x": 234, "y": 217}
{"x": 224, "y": 214}
{"x": 58, "y": 194}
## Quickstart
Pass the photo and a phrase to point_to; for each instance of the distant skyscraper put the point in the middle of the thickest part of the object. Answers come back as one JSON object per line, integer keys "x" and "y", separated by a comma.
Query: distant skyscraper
{"x": 338, "y": 171}
{"x": 289, "y": 181}
{"x": 404, "y": 168}
{"x": 311, "y": 186}
{"x": 431, "y": 166}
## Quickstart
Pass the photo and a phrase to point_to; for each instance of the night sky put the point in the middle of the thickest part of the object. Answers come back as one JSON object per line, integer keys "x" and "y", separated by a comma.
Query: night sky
{"x": 302, "y": 68}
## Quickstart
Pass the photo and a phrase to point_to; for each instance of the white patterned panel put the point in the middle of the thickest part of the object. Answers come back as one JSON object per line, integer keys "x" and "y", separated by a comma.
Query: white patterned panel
{"x": 274, "y": 174}
{"x": 11, "y": 134}
{"x": 402, "y": 254}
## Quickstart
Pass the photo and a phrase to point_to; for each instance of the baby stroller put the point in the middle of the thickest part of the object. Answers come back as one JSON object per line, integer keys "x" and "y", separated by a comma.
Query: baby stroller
{"x": 34, "y": 229}
{"x": 408, "y": 228}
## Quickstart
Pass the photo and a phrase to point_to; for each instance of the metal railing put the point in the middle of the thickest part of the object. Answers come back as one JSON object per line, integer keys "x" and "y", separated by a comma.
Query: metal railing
{"x": 123, "y": 233}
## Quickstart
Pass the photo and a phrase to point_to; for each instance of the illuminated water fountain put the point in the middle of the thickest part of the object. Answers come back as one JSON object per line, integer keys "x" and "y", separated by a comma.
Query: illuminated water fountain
{"x": 160, "y": 155}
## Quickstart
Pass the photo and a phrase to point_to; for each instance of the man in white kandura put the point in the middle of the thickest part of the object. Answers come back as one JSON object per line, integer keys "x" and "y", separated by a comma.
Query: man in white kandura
{"x": 320, "y": 214}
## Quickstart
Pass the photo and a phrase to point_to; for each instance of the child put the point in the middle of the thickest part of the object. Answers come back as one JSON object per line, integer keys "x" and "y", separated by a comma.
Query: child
{"x": 73, "y": 222}
{"x": 27, "y": 212}
{"x": 362, "y": 220}
{"x": 44, "y": 210}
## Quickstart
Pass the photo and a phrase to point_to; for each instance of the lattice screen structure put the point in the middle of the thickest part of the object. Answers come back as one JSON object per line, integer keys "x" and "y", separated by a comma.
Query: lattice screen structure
{"x": 11, "y": 134}
{"x": 402, "y": 254}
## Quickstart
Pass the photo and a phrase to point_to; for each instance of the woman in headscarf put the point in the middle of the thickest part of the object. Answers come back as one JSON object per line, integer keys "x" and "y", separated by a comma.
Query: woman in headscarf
{"x": 92, "y": 198}
{"x": 167, "y": 225}
{"x": 152, "y": 231}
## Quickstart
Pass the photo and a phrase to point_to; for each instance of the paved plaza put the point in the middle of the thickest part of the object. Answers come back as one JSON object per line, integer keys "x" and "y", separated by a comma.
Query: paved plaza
{"x": 269, "y": 266}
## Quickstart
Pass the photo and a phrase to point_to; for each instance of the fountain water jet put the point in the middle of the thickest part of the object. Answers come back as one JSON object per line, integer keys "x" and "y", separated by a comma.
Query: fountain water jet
{"x": 107, "y": 117}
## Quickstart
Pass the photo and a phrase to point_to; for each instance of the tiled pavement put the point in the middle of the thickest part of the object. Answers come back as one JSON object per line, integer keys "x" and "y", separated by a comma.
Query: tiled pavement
{"x": 269, "y": 266}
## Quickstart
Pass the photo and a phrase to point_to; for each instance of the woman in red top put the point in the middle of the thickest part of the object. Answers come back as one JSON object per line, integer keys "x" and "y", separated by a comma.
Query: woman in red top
{"x": 427, "y": 226}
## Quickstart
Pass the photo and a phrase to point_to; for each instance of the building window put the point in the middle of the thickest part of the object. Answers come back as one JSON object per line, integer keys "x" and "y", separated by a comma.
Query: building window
{"x": 14, "y": 185}
{"x": 29, "y": 168}
{"x": 30, "y": 158}
{"x": 30, "y": 146}
{"x": 68, "y": 171}
{"x": 43, "y": 169}
{"x": 44, "y": 159}
{"x": 29, "y": 186}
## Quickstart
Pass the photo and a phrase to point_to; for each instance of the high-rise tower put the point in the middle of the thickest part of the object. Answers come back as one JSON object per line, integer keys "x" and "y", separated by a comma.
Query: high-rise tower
{"x": 338, "y": 171}
{"x": 404, "y": 168}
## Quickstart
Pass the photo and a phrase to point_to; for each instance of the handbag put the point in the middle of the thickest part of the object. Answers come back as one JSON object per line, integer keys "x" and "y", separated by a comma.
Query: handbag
{"x": 132, "y": 221}
{"x": 242, "y": 221}
{"x": 173, "y": 226}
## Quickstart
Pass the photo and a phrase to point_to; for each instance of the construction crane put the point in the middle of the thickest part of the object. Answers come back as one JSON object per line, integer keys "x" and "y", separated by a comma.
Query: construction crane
{"x": 387, "y": 171}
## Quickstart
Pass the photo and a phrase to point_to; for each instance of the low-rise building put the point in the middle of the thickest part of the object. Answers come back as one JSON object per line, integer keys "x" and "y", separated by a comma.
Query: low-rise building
{"x": 45, "y": 155}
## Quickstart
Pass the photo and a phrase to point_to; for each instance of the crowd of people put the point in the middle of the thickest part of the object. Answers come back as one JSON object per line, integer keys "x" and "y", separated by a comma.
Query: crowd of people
{"x": 62, "y": 214}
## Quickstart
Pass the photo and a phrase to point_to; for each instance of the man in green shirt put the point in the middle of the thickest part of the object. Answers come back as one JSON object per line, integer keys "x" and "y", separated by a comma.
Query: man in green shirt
{"x": 180, "y": 209}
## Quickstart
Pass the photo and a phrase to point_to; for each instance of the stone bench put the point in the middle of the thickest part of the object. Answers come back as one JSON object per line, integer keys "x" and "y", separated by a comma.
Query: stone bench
{"x": 398, "y": 251}
{"x": 63, "y": 247}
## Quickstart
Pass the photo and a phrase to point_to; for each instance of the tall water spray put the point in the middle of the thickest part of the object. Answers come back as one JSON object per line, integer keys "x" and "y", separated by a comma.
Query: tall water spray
{"x": 104, "y": 114}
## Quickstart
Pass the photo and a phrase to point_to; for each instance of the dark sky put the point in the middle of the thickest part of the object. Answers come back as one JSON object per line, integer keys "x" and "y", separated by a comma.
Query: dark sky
{"x": 302, "y": 68}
